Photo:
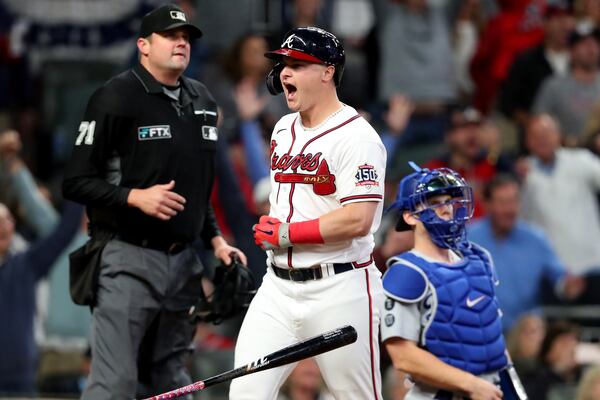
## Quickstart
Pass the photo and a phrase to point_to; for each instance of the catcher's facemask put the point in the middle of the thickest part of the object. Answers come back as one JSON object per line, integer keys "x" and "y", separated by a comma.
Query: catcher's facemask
{"x": 234, "y": 288}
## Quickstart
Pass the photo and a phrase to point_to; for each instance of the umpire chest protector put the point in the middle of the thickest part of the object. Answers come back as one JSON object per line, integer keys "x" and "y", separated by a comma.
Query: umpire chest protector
{"x": 462, "y": 324}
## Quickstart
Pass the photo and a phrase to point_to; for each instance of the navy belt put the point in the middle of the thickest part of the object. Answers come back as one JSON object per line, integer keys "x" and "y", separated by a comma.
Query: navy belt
{"x": 317, "y": 272}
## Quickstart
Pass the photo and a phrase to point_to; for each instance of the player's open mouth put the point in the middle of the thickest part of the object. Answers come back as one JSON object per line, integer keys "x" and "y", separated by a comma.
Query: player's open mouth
{"x": 290, "y": 90}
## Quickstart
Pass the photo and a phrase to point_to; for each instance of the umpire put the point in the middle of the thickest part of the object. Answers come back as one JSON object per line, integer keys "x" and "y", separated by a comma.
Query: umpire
{"x": 143, "y": 163}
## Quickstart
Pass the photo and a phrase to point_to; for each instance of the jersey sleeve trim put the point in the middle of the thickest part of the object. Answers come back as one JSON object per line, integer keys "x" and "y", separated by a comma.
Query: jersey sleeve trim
{"x": 362, "y": 197}
{"x": 404, "y": 281}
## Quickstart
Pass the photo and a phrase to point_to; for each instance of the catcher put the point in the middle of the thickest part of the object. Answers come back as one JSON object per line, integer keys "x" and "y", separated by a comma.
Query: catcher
{"x": 441, "y": 322}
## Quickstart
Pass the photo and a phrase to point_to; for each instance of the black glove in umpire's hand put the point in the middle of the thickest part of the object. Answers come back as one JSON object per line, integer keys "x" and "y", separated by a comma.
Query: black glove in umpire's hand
{"x": 234, "y": 289}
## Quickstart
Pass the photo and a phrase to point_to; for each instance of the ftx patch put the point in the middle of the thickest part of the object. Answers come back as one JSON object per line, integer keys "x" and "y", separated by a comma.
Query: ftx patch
{"x": 154, "y": 132}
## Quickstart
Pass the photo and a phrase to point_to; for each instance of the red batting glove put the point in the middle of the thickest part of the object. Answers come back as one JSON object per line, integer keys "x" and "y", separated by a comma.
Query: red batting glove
{"x": 266, "y": 219}
{"x": 270, "y": 233}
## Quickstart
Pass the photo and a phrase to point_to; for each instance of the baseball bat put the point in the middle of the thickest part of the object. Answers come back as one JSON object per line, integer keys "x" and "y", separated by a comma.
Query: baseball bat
{"x": 307, "y": 348}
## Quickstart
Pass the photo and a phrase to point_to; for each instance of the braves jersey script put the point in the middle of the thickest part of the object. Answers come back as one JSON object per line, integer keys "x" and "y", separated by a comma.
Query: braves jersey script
{"x": 315, "y": 171}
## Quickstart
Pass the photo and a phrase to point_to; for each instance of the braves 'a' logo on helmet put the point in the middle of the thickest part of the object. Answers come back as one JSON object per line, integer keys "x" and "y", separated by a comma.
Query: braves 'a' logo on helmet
{"x": 308, "y": 44}
{"x": 288, "y": 43}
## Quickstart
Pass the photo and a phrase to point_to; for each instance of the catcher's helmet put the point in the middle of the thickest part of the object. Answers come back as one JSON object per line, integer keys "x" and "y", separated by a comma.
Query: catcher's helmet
{"x": 414, "y": 195}
{"x": 307, "y": 44}
{"x": 234, "y": 289}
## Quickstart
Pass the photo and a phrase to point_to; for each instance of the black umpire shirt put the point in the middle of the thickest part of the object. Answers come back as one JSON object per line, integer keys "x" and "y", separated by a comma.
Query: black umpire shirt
{"x": 134, "y": 135}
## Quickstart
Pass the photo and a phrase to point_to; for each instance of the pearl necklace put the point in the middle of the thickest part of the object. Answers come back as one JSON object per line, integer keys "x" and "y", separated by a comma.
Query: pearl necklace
{"x": 315, "y": 128}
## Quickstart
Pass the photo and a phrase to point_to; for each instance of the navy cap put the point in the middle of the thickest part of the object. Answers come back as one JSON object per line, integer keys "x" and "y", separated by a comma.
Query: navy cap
{"x": 166, "y": 18}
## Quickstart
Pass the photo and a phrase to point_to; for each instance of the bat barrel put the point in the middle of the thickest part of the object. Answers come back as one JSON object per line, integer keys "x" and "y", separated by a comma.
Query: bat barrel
{"x": 307, "y": 348}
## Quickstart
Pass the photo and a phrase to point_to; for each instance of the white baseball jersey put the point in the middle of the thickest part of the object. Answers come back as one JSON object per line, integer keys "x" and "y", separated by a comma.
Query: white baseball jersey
{"x": 315, "y": 171}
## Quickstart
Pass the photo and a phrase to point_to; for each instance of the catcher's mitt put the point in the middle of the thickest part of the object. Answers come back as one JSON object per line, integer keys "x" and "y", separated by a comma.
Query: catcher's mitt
{"x": 234, "y": 289}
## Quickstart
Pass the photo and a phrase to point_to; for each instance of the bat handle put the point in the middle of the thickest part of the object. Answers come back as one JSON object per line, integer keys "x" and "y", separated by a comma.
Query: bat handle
{"x": 191, "y": 388}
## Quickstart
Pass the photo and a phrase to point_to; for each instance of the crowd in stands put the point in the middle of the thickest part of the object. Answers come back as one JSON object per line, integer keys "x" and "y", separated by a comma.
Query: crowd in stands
{"x": 506, "y": 92}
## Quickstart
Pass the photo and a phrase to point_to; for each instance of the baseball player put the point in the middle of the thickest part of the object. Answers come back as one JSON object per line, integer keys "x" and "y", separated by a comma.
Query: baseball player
{"x": 327, "y": 175}
{"x": 441, "y": 321}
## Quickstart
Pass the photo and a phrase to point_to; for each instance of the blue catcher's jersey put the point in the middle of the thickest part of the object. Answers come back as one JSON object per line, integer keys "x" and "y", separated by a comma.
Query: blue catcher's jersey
{"x": 462, "y": 324}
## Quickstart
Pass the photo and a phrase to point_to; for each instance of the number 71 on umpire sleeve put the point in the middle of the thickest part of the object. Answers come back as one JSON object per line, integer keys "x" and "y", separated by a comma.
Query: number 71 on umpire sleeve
{"x": 86, "y": 132}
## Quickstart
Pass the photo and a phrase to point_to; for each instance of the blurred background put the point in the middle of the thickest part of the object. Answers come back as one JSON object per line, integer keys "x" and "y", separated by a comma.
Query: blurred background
{"x": 506, "y": 92}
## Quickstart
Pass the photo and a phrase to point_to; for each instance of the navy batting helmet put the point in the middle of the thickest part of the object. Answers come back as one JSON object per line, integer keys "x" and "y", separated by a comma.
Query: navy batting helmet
{"x": 307, "y": 44}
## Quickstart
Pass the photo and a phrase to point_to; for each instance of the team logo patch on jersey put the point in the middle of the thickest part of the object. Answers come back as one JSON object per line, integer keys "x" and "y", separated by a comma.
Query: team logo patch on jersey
{"x": 210, "y": 132}
{"x": 154, "y": 132}
{"x": 389, "y": 320}
{"x": 366, "y": 176}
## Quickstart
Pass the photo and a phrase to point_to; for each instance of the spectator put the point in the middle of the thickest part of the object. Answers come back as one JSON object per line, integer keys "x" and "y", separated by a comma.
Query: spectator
{"x": 297, "y": 13}
{"x": 532, "y": 66}
{"x": 570, "y": 99}
{"x": 396, "y": 119}
{"x": 466, "y": 154}
{"x": 517, "y": 27}
{"x": 594, "y": 143}
{"x": 63, "y": 320}
{"x": 587, "y": 11}
{"x": 20, "y": 271}
{"x": 523, "y": 257}
{"x": 469, "y": 21}
{"x": 589, "y": 386}
{"x": 524, "y": 342}
{"x": 59, "y": 324}
{"x": 239, "y": 78}
{"x": 305, "y": 383}
{"x": 558, "y": 371}
{"x": 415, "y": 61}
{"x": 353, "y": 21}
{"x": 559, "y": 195}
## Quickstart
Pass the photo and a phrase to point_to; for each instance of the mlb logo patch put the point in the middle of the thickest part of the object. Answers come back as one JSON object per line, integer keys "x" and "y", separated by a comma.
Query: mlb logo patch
{"x": 178, "y": 15}
{"x": 210, "y": 132}
{"x": 154, "y": 132}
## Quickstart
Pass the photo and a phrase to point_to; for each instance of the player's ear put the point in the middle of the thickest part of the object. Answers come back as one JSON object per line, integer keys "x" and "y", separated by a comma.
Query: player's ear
{"x": 143, "y": 45}
{"x": 409, "y": 218}
{"x": 328, "y": 73}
